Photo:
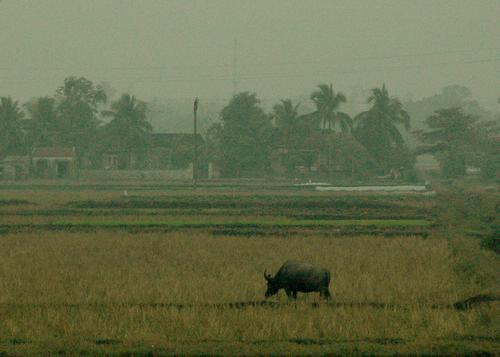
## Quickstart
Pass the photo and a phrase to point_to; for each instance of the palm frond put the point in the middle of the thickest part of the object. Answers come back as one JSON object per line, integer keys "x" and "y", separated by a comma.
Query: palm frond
{"x": 345, "y": 121}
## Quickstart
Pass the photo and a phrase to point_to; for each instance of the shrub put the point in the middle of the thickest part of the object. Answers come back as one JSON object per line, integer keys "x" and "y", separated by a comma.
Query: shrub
{"x": 492, "y": 241}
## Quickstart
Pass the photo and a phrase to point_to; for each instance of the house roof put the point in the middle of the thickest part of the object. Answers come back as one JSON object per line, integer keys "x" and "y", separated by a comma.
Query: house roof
{"x": 15, "y": 158}
{"x": 54, "y": 152}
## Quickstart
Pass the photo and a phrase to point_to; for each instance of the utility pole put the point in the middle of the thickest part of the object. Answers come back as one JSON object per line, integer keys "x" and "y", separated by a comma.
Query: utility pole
{"x": 195, "y": 160}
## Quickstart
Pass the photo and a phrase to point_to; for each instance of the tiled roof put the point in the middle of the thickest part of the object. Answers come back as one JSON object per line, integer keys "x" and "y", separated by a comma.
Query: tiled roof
{"x": 53, "y": 152}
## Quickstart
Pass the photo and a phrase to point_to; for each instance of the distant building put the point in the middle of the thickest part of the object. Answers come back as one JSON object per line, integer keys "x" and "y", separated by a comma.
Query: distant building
{"x": 109, "y": 161}
{"x": 174, "y": 150}
{"x": 427, "y": 163}
{"x": 54, "y": 162}
{"x": 213, "y": 171}
{"x": 322, "y": 155}
{"x": 167, "y": 156}
{"x": 15, "y": 167}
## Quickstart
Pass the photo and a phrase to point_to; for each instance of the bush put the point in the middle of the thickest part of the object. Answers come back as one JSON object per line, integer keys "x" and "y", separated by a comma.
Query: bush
{"x": 492, "y": 242}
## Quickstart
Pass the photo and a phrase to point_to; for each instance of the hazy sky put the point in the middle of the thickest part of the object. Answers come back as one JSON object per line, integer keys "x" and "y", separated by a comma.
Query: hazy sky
{"x": 184, "y": 48}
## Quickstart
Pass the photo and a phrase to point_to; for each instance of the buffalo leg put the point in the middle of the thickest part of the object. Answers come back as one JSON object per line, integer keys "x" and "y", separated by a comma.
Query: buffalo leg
{"x": 288, "y": 293}
{"x": 294, "y": 294}
{"x": 325, "y": 293}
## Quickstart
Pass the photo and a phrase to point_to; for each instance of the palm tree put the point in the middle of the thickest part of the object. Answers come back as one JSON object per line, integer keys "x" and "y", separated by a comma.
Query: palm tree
{"x": 128, "y": 127}
{"x": 377, "y": 128}
{"x": 327, "y": 103}
{"x": 287, "y": 120}
{"x": 11, "y": 134}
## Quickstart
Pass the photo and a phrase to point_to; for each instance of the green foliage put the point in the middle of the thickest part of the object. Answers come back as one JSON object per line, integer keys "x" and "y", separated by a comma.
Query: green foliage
{"x": 183, "y": 156}
{"x": 11, "y": 135}
{"x": 492, "y": 241}
{"x": 242, "y": 141}
{"x": 327, "y": 114}
{"x": 489, "y": 149}
{"x": 453, "y": 136}
{"x": 291, "y": 134}
{"x": 14, "y": 202}
{"x": 298, "y": 158}
{"x": 490, "y": 164}
{"x": 127, "y": 131}
{"x": 244, "y": 137}
{"x": 464, "y": 210}
{"x": 44, "y": 129}
{"x": 288, "y": 122}
{"x": 78, "y": 101}
{"x": 302, "y": 202}
{"x": 341, "y": 155}
{"x": 377, "y": 129}
{"x": 213, "y": 141}
{"x": 450, "y": 97}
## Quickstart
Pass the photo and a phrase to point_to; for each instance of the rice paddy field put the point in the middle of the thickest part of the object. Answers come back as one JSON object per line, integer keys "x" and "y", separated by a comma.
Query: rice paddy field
{"x": 162, "y": 270}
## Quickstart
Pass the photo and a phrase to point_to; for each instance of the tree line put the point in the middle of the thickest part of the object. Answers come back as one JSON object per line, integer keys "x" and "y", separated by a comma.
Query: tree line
{"x": 71, "y": 118}
{"x": 247, "y": 141}
{"x": 335, "y": 143}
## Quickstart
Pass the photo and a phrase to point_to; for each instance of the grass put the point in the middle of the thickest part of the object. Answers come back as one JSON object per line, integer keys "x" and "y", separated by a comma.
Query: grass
{"x": 97, "y": 292}
{"x": 291, "y": 330}
{"x": 207, "y": 223}
{"x": 244, "y": 226}
{"x": 298, "y": 200}
{"x": 297, "y": 223}
{"x": 112, "y": 290}
{"x": 14, "y": 202}
{"x": 200, "y": 268}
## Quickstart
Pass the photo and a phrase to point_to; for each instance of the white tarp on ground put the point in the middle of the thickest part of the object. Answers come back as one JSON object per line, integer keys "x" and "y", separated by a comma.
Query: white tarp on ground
{"x": 406, "y": 188}
{"x": 307, "y": 184}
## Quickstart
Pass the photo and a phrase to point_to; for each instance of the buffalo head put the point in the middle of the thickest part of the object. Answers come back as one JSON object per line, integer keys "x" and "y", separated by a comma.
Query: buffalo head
{"x": 272, "y": 286}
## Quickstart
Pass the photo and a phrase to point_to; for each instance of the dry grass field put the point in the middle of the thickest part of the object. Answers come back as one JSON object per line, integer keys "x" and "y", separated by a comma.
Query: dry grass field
{"x": 193, "y": 292}
{"x": 112, "y": 291}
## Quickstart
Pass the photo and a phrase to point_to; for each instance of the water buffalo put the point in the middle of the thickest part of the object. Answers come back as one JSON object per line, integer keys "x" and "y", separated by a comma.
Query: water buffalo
{"x": 296, "y": 276}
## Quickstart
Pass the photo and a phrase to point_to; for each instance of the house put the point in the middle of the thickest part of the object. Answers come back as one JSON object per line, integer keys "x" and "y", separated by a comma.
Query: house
{"x": 323, "y": 155}
{"x": 166, "y": 156}
{"x": 213, "y": 170}
{"x": 427, "y": 163}
{"x": 54, "y": 162}
{"x": 174, "y": 150}
{"x": 163, "y": 151}
{"x": 15, "y": 167}
{"x": 110, "y": 161}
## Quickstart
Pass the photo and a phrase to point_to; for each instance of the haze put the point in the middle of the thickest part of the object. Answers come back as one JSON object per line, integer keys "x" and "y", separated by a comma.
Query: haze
{"x": 182, "y": 49}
